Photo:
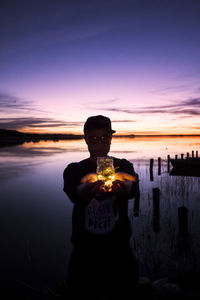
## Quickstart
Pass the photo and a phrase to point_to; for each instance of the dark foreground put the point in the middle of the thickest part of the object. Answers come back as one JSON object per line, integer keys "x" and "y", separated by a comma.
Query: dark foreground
{"x": 185, "y": 287}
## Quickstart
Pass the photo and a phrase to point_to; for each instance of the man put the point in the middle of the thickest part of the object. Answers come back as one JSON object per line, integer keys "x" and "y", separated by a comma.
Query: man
{"x": 102, "y": 261}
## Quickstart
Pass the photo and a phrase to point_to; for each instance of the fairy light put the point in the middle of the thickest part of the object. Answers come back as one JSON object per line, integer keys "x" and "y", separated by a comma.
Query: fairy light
{"x": 106, "y": 171}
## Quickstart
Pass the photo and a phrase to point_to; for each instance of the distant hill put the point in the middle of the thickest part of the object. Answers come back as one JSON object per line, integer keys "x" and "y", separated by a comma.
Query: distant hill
{"x": 14, "y": 134}
{"x": 9, "y": 133}
{"x": 14, "y": 137}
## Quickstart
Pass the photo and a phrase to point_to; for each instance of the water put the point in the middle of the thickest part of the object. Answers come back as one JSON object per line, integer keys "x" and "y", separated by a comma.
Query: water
{"x": 36, "y": 214}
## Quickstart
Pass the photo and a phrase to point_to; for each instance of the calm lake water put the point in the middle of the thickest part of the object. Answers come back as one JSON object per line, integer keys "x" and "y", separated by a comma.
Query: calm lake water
{"x": 36, "y": 214}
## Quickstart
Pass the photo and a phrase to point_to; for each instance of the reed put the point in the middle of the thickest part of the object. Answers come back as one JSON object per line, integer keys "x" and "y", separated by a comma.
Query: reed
{"x": 159, "y": 252}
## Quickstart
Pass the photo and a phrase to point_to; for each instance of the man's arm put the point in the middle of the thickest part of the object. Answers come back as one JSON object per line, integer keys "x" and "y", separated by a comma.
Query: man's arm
{"x": 80, "y": 189}
{"x": 71, "y": 181}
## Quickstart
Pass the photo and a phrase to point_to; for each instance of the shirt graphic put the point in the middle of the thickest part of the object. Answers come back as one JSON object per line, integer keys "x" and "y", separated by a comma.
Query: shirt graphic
{"x": 101, "y": 216}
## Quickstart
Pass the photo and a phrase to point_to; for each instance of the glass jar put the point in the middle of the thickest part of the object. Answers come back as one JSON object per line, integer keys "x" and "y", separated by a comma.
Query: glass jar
{"x": 106, "y": 171}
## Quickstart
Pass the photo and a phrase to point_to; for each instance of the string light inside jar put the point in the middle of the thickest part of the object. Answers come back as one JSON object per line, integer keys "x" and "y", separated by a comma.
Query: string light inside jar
{"x": 106, "y": 171}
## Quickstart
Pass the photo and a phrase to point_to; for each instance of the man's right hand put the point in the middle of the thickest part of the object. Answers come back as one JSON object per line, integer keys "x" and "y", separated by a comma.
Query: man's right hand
{"x": 89, "y": 187}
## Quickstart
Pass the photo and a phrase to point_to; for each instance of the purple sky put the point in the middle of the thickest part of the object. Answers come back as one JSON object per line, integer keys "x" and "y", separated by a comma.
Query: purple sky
{"x": 136, "y": 62}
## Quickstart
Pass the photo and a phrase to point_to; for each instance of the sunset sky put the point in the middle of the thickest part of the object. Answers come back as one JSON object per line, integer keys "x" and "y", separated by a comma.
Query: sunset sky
{"x": 135, "y": 61}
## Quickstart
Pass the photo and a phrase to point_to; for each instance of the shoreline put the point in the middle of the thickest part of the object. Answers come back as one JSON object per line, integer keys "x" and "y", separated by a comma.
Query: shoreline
{"x": 14, "y": 137}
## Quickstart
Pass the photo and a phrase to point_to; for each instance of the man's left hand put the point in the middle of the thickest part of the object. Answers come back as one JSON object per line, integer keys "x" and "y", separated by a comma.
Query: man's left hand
{"x": 121, "y": 188}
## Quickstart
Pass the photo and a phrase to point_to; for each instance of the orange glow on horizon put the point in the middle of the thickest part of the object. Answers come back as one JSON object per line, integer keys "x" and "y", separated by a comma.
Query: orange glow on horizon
{"x": 118, "y": 132}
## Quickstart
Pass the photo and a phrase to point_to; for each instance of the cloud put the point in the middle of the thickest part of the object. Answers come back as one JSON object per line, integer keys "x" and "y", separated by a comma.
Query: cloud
{"x": 11, "y": 103}
{"x": 61, "y": 22}
{"x": 60, "y": 31}
{"x": 123, "y": 121}
{"x": 8, "y": 101}
{"x": 194, "y": 74}
{"x": 62, "y": 36}
{"x": 187, "y": 82}
{"x": 188, "y": 107}
{"x": 100, "y": 102}
{"x": 32, "y": 122}
{"x": 195, "y": 102}
{"x": 177, "y": 88}
{"x": 18, "y": 123}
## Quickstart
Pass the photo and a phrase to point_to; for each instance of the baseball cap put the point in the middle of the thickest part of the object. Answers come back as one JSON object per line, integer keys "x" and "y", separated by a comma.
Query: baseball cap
{"x": 98, "y": 122}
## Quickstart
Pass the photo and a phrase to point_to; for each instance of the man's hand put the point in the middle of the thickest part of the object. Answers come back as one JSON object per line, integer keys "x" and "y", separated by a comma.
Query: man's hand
{"x": 122, "y": 176}
{"x": 122, "y": 185}
{"x": 121, "y": 188}
{"x": 91, "y": 177}
{"x": 90, "y": 187}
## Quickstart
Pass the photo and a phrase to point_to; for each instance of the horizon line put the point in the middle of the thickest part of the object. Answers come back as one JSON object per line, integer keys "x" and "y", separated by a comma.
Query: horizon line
{"x": 114, "y": 135}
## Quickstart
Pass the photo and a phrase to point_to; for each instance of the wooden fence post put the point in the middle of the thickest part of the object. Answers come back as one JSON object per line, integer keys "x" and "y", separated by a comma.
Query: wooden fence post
{"x": 168, "y": 163}
{"x": 159, "y": 165}
{"x": 151, "y": 169}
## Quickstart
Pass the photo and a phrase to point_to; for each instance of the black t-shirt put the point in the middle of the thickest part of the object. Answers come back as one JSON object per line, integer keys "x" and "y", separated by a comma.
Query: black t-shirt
{"x": 103, "y": 221}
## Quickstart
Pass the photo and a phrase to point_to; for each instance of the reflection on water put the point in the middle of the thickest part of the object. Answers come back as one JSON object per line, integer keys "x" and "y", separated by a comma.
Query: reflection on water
{"x": 42, "y": 148}
{"x": 36, "y": 214}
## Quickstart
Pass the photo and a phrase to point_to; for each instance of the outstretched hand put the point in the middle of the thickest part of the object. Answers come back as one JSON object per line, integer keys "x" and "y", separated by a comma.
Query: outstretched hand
{"x": 89, "y": 187}
{"x": 123, "y": 184}
{"x": 122, "y": 176}
{"x": 91, "y": 177}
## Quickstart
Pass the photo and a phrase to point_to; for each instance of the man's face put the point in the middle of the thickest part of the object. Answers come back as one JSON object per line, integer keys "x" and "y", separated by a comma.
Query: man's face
{"x": 98, "y": 141}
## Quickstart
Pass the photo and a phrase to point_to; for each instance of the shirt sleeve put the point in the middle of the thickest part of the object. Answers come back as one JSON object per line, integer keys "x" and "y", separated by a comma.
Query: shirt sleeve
{"x": 71, "y": 181}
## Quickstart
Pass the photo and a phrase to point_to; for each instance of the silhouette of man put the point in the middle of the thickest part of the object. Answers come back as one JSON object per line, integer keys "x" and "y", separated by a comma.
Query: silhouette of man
{"x": 102, "y": 262}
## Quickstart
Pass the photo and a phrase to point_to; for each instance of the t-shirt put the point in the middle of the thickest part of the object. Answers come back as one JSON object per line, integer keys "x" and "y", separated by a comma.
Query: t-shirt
{"x": 98, "y": 219}
{"x": 101, "y": 217}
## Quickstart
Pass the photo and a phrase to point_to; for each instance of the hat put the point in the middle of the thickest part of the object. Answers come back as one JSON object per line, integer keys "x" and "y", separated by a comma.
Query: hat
{"x": 98, "y": 122}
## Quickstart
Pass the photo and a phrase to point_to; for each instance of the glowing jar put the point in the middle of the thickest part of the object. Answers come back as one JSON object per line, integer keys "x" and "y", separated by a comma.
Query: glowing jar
{"x": 106, "y": 171}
